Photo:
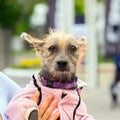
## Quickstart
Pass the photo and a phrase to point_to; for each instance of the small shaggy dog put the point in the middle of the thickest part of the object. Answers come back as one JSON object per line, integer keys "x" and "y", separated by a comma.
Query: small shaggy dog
{"x": 60, "y": 53}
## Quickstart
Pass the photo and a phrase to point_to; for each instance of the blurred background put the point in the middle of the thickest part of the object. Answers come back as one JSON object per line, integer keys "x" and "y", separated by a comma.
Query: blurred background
{"x": 99, "y": 20}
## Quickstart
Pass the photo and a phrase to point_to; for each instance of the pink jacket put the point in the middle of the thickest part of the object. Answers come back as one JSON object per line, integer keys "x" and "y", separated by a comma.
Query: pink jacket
{"x": 71, "y": 107}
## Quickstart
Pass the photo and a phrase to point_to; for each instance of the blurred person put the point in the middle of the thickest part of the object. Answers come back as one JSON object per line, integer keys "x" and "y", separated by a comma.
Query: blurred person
{"x": 116, "y": 83}
{"x": 8, "y": 88}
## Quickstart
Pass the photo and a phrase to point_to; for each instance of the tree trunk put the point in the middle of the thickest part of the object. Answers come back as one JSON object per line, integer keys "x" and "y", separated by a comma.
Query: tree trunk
{"x": 5, "y": 48}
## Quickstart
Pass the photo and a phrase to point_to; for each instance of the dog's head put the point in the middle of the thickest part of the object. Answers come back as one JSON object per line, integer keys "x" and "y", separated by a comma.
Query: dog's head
{"x": 59, "y": 52}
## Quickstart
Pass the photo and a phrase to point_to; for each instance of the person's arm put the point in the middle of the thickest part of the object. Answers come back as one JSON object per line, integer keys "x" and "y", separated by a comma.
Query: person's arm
{"x": 45, "y": 110}
{"x": 7, "y": 88}
{"x": 10, "y": 87}
{"x": 23, "y": 106}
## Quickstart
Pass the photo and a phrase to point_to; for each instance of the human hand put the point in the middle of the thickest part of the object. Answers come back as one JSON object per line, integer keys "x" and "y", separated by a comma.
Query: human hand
{"x": 46, "y": 108}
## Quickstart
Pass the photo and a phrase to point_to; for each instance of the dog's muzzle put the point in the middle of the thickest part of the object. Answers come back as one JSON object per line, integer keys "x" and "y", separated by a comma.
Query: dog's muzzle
{"x": 62, "y": 65}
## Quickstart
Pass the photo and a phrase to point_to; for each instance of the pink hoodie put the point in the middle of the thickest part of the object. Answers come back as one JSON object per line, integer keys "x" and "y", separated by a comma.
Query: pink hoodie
{"x": 71, "y": 107}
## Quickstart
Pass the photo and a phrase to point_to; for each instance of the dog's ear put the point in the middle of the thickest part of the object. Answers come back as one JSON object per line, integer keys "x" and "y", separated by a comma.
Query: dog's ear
{"x": 82, "y": 40}
{"x": 33, "y": 41}
{"x": 83, "y": 46}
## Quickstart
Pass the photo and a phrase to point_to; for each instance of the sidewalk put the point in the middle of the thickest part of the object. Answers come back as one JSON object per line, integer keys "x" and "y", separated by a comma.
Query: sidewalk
{"x": 98, "y": 103}
{"x": 98, "y": 100}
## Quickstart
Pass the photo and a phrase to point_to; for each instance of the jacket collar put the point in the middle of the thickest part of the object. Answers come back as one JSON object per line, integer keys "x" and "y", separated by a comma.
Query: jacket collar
{"x": 77, "y": 83}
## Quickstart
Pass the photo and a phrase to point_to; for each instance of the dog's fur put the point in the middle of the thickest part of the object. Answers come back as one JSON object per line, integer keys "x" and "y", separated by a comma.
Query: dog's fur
{"x": 59, "y": 52}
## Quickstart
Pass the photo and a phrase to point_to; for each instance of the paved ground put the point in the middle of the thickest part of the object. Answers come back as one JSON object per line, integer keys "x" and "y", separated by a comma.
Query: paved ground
{"x": 97, "y": 100}
{"x": 99, "y": 104}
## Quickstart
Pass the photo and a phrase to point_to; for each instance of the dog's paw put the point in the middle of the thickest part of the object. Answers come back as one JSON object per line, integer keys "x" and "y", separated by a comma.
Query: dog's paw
{"x": 31, "y": 114}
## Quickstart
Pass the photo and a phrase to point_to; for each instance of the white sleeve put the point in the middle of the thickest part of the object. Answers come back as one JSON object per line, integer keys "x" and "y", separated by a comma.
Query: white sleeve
{"x": 7, "y": 88}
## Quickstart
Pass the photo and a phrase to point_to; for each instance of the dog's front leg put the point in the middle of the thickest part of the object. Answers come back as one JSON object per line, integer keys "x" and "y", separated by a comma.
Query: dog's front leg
{"x": 31, "y": 114}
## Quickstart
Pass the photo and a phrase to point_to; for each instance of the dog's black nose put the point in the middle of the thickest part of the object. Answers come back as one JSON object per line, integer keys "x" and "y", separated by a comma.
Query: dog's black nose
{"x": 62, "y": 65}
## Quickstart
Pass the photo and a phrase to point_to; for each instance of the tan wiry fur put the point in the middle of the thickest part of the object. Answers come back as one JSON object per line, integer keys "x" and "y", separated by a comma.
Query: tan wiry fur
{"x": 57, "y": 46}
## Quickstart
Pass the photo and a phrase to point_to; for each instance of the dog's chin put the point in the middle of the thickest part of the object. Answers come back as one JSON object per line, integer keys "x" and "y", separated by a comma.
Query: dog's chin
{"x": 58, "y": 76}
{"x": 62, "y": 76}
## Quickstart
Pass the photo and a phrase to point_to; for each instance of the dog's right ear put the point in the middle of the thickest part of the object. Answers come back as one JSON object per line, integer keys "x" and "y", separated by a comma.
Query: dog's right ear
{"x": 34, "y": 41}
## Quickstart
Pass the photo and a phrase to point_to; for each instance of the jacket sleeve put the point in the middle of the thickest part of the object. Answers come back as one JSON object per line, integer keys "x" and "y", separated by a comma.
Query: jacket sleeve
{"x": 82, "y": 112}
{"x": 18, "y": 109}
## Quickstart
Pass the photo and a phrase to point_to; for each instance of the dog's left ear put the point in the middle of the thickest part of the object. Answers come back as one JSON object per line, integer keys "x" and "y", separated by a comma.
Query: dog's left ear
{"x": 33, "y": 41}
{"x": 83, "y": 46}
{"x": 82, "y": 41}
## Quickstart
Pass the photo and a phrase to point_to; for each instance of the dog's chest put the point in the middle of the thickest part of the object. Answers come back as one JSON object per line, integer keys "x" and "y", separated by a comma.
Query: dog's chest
{"x": 66, "y": 97}
{"x": 67, "y": 100}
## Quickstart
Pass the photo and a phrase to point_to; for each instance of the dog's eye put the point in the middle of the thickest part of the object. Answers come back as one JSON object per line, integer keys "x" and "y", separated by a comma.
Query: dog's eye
{"x": 73, "y": 48}
{"x": 52, "y": 48}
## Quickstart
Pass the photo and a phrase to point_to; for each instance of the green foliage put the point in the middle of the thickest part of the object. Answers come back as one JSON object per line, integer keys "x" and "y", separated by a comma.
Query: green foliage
{"x": 15, "y": 14}
{"x": 101, "y": 0}
{"x": 79, "y": 7}
{"x": 102, "y": 59}
{"x": 23, "y": 23}
{"x": 10, "y": 11}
